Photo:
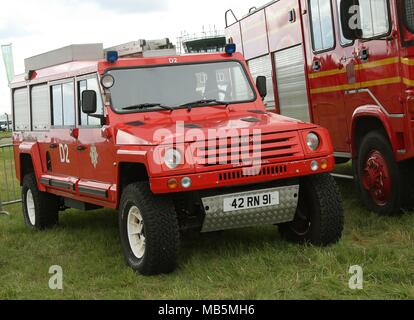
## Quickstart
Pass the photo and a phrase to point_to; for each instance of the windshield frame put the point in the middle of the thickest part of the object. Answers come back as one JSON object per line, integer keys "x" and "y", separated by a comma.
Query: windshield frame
{"x": 157, "y": 109}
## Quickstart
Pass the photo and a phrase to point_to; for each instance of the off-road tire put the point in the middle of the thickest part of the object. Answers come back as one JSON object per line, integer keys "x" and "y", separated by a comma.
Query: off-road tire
{"x": 161, "y": 230}
{"x": 46, "y": 205}
{"x": 376, "y": 140}
{"x": 321, "y": 203}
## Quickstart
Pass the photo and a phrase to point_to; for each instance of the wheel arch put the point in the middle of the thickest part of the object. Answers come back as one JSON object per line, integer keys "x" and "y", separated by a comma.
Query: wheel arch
{"x": 366, "y": 119}
{"x": 130, "y": 172}
{"x": 30, "y": 162}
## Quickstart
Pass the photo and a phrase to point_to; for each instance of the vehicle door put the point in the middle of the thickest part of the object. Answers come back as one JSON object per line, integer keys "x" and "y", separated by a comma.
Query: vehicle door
{"x": 95, "y": 152}
{"x": 63, "y": 162}
{"x": 326, "y": 71}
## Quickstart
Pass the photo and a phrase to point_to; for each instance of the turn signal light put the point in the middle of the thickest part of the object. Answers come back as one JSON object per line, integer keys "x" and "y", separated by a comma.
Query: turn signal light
{"x": 172, "y": 184}
{"x": 324, "y": 164}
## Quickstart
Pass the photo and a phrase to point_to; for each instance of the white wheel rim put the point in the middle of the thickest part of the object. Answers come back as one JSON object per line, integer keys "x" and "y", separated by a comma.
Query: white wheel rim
{"x": 30, "y": 207}
{"x": 136, "y": 236}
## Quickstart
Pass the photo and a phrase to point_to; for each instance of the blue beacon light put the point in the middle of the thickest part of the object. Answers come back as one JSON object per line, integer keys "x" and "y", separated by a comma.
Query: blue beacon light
{"x": 230, "y": 48}
{"x": 112, "y": 56}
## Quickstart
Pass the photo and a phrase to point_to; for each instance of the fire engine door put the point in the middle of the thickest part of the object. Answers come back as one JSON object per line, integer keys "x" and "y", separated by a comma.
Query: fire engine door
{"x": 61, "y": 159}
{"x": 95, "y": 152}
{"x": 326, "y": 71}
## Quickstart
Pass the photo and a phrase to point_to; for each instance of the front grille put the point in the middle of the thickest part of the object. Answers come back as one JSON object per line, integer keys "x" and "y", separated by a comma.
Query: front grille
{"x": 249, "y": 150}
{"x": 250, "y": 172}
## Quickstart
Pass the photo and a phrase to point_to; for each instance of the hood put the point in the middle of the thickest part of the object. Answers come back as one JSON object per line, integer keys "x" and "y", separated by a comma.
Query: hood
{"x": 198, "y": 127}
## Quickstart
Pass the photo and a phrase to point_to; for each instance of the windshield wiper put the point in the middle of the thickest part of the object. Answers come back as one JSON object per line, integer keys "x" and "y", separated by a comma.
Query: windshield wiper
{"x": 148, "y": 105}
{"x": 190, "y": 105}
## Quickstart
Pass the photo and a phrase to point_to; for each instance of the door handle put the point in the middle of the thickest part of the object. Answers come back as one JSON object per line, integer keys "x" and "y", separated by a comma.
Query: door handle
{"x": 316, "y": 66}
{"x": 53, "y": 146}
{"x": 81, "y": 148}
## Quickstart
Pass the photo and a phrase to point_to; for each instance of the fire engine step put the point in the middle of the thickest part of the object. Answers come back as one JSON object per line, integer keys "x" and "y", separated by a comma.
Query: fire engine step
{"x": 220, "y": 217}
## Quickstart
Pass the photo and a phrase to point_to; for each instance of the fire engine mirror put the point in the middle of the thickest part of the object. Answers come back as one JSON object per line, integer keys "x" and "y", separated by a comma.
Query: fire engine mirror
{"x": 89, "y": 102}
{"x": 261, "y": 84}
{"x": 351, "y": 19}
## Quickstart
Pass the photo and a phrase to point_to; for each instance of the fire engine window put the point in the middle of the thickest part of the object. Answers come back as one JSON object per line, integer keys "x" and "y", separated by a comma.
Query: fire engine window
{"x": 322, "y": 24}
{"x": 21, "y": 109}
{"x": 344, "y": 41}
{"x": 175, "y": 85}
{"x": 409, "y": 14}
{"x": 90, "y": 84}
{"x": 374, "y": 18}
{"x": 40, "y": 107}
{"x": 63, "y": 103}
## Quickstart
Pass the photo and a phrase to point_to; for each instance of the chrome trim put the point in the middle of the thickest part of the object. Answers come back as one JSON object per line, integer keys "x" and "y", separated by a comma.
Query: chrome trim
{"x": 390, "y": 115}
{"x": 343, "y": 155}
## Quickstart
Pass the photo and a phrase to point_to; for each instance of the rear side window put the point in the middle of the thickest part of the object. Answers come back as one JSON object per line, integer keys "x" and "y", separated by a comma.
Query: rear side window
{"x": 63, "y": 104}
{"x": 40, "y": 107}
{"x": 374, "y": 18}
{"x": 409, "y": 14}
{"x": 21, "y": 109}
{"x": 322, "y": 25}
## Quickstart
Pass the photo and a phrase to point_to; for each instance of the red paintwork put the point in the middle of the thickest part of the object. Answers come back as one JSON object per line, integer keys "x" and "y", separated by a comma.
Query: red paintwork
{"x": 118, "y": 142}
{"x": 337, "y": 110}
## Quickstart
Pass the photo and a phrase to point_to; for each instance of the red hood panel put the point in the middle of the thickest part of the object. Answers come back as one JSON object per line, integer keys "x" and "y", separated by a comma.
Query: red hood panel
{"x": 193, "y": 126}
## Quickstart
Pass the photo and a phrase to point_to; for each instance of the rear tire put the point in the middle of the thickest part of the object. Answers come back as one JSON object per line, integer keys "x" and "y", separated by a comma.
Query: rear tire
{"x": 377, "y": 175}
{"x": 149, "y": 230}
{"x": 40, "y": 209}
{"x": 319, "y": 218}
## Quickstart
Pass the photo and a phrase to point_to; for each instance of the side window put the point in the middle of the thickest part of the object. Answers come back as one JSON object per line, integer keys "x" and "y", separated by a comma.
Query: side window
{"x": 89, "y": 84}
{"x": 40, "y": 107}
{"x": 374, "y": 18}
{"x": 63, "y": 104}
{"x": 21, "y": 109}
{"x": 344, "y": 42}
{"x": 322, "y": 24}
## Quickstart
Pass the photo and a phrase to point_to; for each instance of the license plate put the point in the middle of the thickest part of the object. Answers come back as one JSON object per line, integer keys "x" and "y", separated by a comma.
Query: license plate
{"x": 246, "y": 202}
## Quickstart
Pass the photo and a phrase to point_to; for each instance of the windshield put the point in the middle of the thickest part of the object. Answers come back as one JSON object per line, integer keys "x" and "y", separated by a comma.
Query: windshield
{"x": 409, "y": 14}
{"x": 178, "y": 85}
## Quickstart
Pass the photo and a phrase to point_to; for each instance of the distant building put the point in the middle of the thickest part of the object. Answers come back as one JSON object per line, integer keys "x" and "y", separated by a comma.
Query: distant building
{"x": 205, "y": 41}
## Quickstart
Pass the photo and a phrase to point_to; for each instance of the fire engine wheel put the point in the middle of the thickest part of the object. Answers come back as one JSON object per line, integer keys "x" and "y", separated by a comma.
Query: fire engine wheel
{"x": 377, "y": 175}
{"x": 40, "y": 210}
{"x": 149, "y": 230}
{"x": 319, "y": 218}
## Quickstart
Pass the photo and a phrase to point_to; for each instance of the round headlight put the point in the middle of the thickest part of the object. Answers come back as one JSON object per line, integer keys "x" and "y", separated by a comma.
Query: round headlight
{"x": 108, "y": 81}
{"x": 313, "y": 142}
{"x": 173, "y": 158}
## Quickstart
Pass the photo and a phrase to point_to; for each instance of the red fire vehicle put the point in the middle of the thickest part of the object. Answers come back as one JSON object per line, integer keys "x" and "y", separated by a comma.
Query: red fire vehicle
{"x": 348, "y": 66}
{"x": 173, "y": 143}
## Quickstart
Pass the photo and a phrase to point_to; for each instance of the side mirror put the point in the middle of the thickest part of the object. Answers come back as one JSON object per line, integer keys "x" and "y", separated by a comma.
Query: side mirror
{"x": 261, "y": 84}
{"x": 89, "y": 102}
{"x": 351, "y": 19}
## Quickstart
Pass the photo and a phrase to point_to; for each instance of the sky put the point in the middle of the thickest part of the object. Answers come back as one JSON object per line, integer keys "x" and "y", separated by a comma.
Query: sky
{"x": 37, "y": 26}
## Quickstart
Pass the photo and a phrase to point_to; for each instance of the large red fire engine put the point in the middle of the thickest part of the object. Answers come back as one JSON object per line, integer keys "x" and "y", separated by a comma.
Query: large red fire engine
{"x": 346, "y": 65}
{"x": 173, "y": 142}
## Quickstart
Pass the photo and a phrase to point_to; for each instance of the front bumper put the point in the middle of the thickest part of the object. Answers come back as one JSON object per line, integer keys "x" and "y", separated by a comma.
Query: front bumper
{"x": 239, "y": 176}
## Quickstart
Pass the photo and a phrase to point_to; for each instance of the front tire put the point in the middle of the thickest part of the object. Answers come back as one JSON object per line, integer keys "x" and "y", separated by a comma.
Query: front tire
{"x": 149, "y": 230}
{"x": 40, "y": 209}
{"x": 378, "y": 176}
{"x": 319, "y": 218}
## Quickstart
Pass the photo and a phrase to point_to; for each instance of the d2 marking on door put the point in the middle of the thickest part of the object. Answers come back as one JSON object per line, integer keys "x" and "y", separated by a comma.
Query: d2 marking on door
{"x": 64, "y": 153}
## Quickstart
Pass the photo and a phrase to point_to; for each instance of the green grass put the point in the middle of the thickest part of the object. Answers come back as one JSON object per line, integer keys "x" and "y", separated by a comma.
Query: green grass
{"x": 4, "y": 135}
{"x": 241, "y": 264}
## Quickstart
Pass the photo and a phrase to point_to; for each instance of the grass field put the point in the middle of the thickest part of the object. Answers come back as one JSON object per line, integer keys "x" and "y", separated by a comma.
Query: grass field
{"x": 242, "y": 264}
{"x": 4, "y": 135}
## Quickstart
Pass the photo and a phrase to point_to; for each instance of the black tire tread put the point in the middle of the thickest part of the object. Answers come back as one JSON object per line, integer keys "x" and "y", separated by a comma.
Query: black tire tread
{"x": 161, "y": 225}
{"x": 46, "y": 205}
{"x": 327, "y": 216}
